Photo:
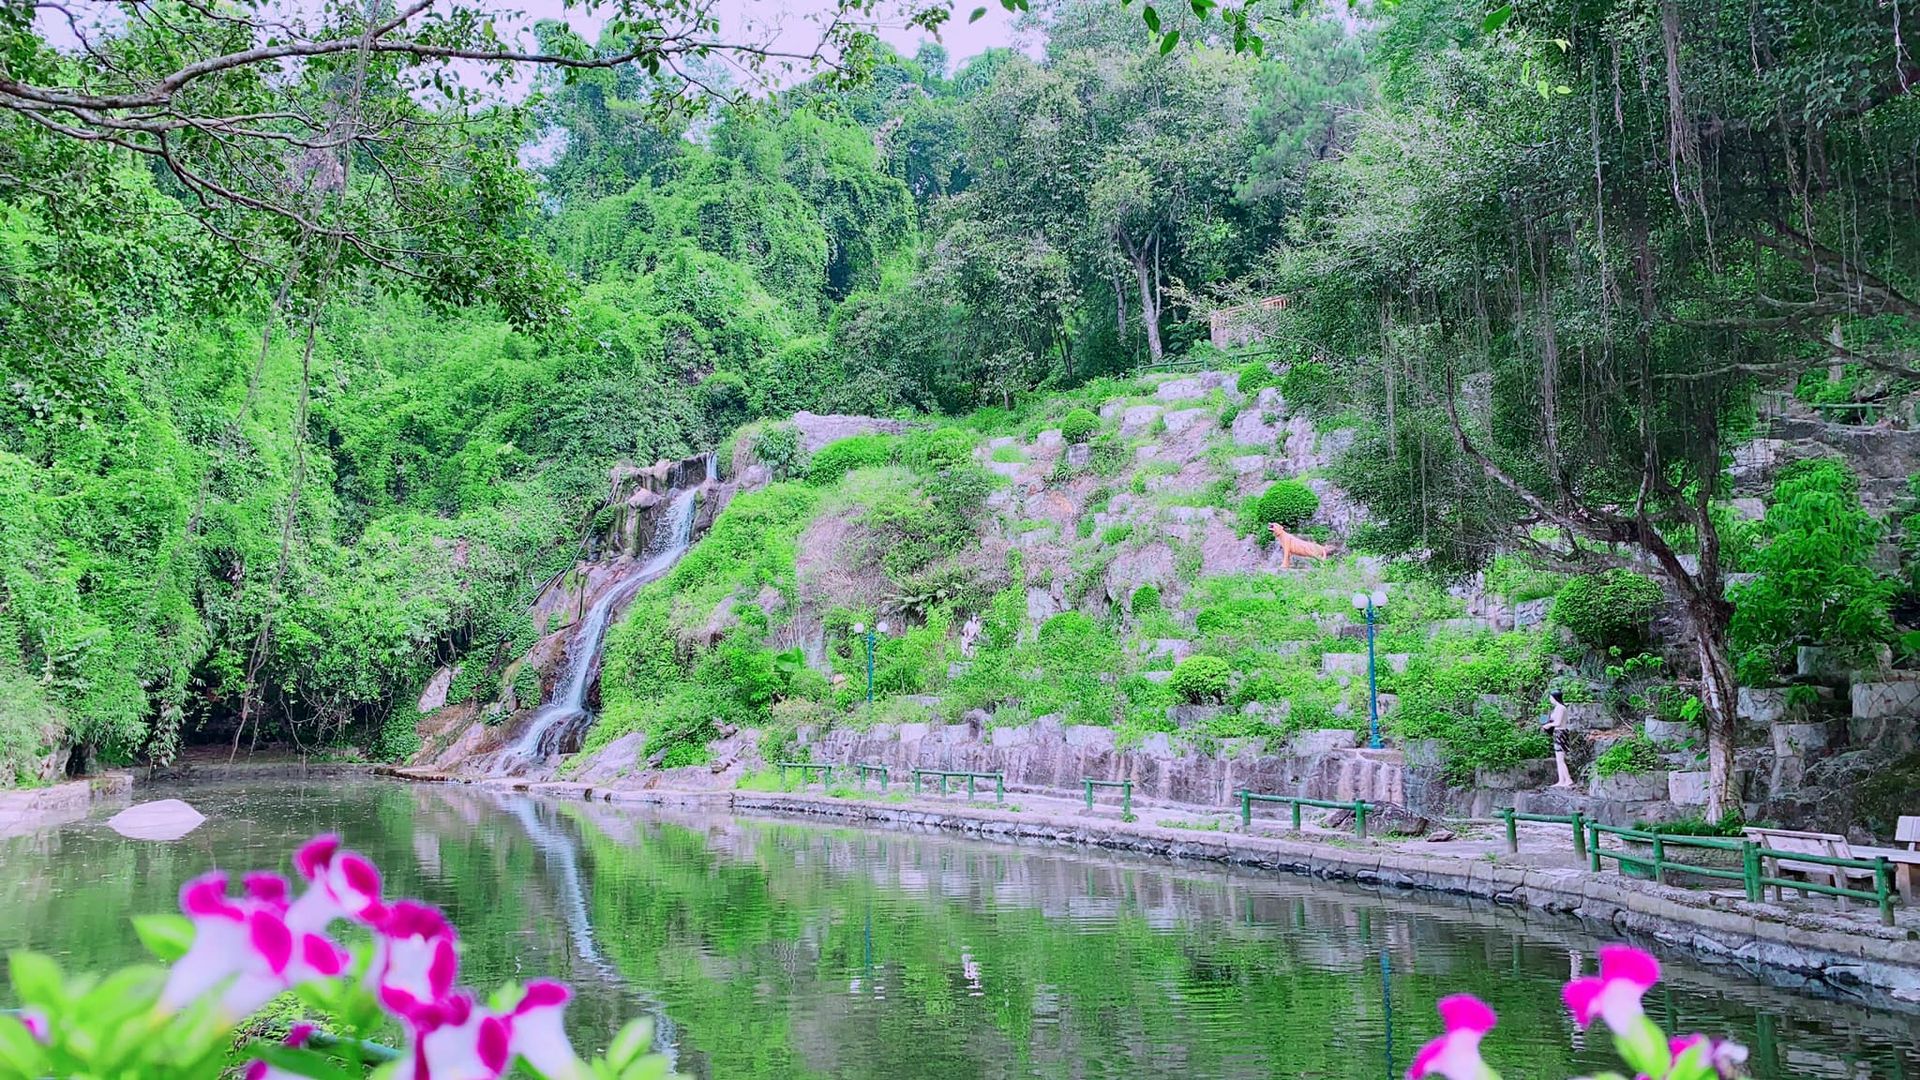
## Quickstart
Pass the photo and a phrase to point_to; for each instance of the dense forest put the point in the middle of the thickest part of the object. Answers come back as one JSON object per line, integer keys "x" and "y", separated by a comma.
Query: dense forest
{"x": 298, "y": 409}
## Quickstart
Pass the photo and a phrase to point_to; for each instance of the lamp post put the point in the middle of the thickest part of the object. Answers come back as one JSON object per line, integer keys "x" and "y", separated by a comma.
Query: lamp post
{"x": 863, "y": 628}
{"x": 1370, "y": 602}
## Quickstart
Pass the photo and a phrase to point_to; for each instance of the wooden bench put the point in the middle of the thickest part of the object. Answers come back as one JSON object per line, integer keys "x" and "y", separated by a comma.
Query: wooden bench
{"x": 1776, "y": 843}
{"x": 1904, "y": 855}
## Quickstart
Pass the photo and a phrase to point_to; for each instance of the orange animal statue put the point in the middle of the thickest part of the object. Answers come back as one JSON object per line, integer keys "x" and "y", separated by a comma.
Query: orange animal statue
{"x": 1291, "y": 545}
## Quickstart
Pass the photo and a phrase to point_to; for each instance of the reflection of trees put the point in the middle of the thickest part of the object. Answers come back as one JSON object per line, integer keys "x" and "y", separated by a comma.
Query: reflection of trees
{"x": 794, "y": 950}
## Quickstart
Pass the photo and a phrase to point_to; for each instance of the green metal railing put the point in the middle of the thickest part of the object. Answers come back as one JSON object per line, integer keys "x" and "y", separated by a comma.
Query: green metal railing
{"x": 864, "y": 771}
{"x": 1751, "y": 875}
{"x": 1358, "y": 806}
{"x": 1126, "y": 793}
{"x": 1577, "y": 820}
{"x": 944, "y": 775}
{"x": 805, "y": 767}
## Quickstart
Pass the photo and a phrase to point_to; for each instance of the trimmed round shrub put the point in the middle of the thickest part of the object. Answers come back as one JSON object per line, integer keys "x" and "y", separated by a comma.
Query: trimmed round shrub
{"x": 1079, "y": 425}
{"x": 778, "y": 448}
{"x": 937, "y": 450}
{"x": 1201, "y": 680}
{"x": 1255, "y": 375}
{"x": 842, "y": 456}
{"x": 1611, "y": 608}
{"x": 1144, "y": 599}
{"x": 1288, "y": 503}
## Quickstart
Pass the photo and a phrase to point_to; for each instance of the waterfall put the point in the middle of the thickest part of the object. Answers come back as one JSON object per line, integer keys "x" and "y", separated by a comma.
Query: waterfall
{"x": 563, "y": 718}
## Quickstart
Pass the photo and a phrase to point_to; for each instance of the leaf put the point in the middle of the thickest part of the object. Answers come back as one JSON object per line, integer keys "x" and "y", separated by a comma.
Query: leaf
{"x": 1151, "y": 17}
{"x": 634, "y": 1040}
{"x": 978, "y": 14}
{"x": 300, "y": 1062}
{"x": 1167, "y": 43}
{"x": 167, "y": 937}
{"x": 20, "y": 1053}
{"x": 35, "y": 978}
{"x": 1201, "y": 7}
{"x": 1496, "y": 19}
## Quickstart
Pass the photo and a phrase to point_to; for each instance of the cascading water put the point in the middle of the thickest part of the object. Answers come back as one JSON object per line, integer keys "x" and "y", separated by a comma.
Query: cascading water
{"x": 561, "y": 720}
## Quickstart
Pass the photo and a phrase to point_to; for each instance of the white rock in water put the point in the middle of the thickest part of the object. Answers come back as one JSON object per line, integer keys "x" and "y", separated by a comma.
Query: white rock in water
{"x": 163, "y": 819}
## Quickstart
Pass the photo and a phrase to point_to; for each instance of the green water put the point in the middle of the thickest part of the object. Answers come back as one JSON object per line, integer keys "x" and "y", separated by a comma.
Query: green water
{"x": 787, "y": 950}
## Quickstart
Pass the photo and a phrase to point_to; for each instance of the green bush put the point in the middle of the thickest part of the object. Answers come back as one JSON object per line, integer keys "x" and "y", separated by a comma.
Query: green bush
{"x": 723, "y": 396}
{"x": 1079, "y": 425}
{"x": 1308, "y": 384}
{"x": 1610, "y": 609}
{"x": 1201, "y": 680}
{"x": 1144, "y": 599}
{"x": 1255, "y": 375}
{"x": 1816, "y": 585}
{"x": 842, "y": 456}
{"x": 936, "y": 450}
{"x": 1631, "y": 755}
{"x": 1520, "y": 579}
{"x": 1288, "y": 503}
{"x": 526, "y": 687}
{"x": 778, "y": 448}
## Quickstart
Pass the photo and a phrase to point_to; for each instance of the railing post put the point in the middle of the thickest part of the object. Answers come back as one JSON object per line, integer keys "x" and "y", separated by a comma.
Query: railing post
{"x": 1513, "y": 834}
{"x": 1295, "y": 804}
{"x": 999, "y": 787}
{"x": 1750, "y": 869}
{"x": 1246, "y": 809}
{"x": 1580, "y": 836}
{"x": 1126, "y": 798}
{"x": 969, "y": 787}
{"x": 916, "y": 781}
{"x": 1593, "y": 845}
{"x": 1360, "y": 818}
{"x": 1087, "y": 785}
{"x": 1659, "y": 852}
{"x": 1883, "y": 888}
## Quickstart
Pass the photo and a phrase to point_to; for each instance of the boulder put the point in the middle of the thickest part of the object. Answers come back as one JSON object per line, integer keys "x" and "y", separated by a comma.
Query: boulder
{"x": 1181, "y": 389}
{"x": 1630, "y": 787}
{"x": 1184, "y": 419}
{"x": 163, "y": 819}
{"x": 1874, "y": 700}
{"x": 1668, "y": 731}
{"x": 1322, "y": 741}
{"x": 1192, "y": 716}
{"x": 1530, "y": 613}
{"x": 435, "y": 694}
{"x": 1762, "y": 706}
{"x": 1139, "y": 420}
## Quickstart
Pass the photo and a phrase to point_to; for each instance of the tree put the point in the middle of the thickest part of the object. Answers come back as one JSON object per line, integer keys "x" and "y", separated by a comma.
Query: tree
{"x": 1559, "y": 282}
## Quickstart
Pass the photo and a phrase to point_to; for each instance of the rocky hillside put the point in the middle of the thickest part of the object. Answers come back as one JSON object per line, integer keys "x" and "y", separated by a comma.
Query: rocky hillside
{"x": 1083, "y": 590}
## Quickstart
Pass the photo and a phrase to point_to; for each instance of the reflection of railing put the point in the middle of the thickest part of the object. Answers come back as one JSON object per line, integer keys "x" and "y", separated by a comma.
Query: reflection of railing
{"x": 1357, "y": 806}
{"x": 943, "y": 775}
{"x": 1753, "y": 859}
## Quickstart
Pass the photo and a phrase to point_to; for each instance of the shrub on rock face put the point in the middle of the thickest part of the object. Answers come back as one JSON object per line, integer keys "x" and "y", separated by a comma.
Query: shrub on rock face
{"x": 1256, "y": 376}
{"x": 1145, "y": 598}
{"x": 842, "y": 456}
{"x": 1608, "y": 609}
{"x": 778, "y": 448}
{"x": 937, "y": 450}
{"x": 1201, "y": 680}
{"x": 1288, "y": 503}
{"x": 1079, "y": 425}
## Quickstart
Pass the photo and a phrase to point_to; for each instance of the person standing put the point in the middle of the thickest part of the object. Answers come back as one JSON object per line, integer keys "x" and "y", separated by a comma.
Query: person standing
{"x": 1555, "y": 725}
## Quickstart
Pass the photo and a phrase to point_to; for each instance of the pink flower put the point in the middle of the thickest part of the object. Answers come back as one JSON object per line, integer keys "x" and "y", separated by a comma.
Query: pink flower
{"x": 243, "y": 947}
{"x": 1626, "y": 974}
{"x": 1456, "y": 1055}
{"x": 414, "y": 960}
{"x": 1699, "y": 1055}
{"x": 260, "y": 1070}
{"x": 35, "y": 1022}
{"x": 345, "y": 885}
{"x": 535, "y": 1031}
{"x": 454, "y": 1039}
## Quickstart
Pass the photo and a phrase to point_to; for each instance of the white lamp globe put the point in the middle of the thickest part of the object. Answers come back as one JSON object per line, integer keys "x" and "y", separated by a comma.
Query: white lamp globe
{"x": 1380, "y": 597}
{"x": 882, "y": 627}
{"x": 859, "y": 628}
{"x": 1359, "y": 601}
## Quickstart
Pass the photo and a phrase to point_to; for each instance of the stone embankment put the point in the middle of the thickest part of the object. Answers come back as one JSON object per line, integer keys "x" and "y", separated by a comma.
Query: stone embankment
{"x": 1805, "y": 944}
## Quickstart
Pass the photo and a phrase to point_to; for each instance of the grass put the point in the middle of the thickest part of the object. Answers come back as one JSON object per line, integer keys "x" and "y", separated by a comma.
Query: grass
{"x": 1208, "y": 825}
{"x": 1009, "y": 454}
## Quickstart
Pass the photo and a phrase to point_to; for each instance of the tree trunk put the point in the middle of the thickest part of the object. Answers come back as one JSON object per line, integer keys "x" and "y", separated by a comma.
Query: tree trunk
{"x": 1149, "y": 307}
{"x": 1718, "y": 694}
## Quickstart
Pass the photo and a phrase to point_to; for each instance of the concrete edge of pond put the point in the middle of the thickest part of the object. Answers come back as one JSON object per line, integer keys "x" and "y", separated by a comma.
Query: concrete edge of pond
{"x": 1852, "y": 958}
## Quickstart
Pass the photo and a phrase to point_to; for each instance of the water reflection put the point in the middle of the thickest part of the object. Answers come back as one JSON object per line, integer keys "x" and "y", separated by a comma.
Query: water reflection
{"x": 774, "y": 949}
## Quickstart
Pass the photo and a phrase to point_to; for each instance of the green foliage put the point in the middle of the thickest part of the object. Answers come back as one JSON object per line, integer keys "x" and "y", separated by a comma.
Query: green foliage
{"x": 1288, "y": 503}
{"x": 526, "y": 687}
{"x": 842, "y": 456}
{"x": 1632, "y": 755}
{"x": 1816, "y": 583}
{"x": 1201, "y": 679}
{"x": 1256, "y": 375}
{"x": 398, "y": 738}
{"x": 1610, "y": 609}
{"x": 1520, "y": 579}
{"x": 1308, "y": 384}
{"x": 1079, "y": 425}
{"x": 937, "y": 450}
{"x": 777, "y": 446}
{"x": 1145, "y": 600}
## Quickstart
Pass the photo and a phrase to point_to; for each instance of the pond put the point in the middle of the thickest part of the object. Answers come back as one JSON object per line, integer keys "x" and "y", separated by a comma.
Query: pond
{"x": 770, "y": 949}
